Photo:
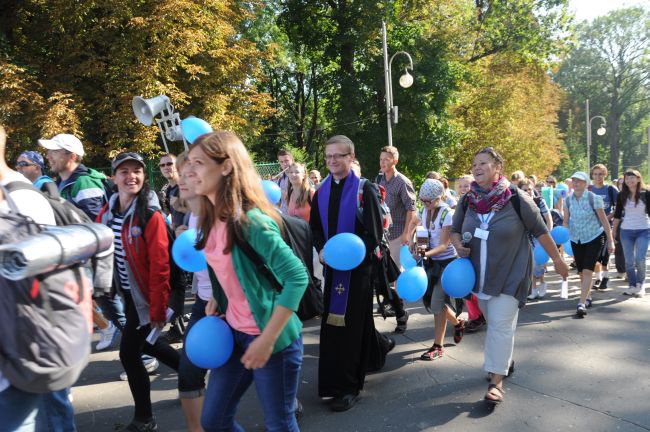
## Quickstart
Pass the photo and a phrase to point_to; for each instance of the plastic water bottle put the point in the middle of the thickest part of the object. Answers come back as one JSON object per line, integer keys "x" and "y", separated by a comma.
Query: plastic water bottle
{"x": 564, "y": 291}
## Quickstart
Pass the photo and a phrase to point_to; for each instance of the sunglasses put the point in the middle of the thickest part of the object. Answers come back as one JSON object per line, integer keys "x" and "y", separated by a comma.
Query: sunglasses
{"x": 23, "y": 164}
{"x": 166, "y": 164}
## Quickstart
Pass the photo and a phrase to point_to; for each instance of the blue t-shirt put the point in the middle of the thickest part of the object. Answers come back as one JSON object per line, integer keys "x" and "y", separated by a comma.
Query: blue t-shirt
{"x": 609, "y": 196}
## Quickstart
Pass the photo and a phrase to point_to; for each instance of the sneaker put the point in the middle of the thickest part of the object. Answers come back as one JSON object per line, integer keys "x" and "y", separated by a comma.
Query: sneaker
{"x": 138, "y": 426}
{"x": 459, "y": 329}
{"x": 402, "y": 323}
{"x": 150, "y": 364}
{"x": 630, "y": 291}
{"x": 434, "y": 353}
{"x": 541, "y": 290}
{"x": 581, "y": 310}
{"x": 173, "y": 335}
{"x": 533, "y": 294}
{"x": 588, "y": 303}
{"x": 597, "y": 284}
{"x": 640, "y": 290}
{"x": 107, "y": 337}
{"x": 603, "y": 284}
{"x": 475, "y": 325}
{"x": 300, "y": 410}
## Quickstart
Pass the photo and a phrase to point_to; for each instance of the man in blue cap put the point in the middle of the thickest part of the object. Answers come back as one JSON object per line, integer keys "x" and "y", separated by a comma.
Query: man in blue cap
{"x": 32, "y": 165}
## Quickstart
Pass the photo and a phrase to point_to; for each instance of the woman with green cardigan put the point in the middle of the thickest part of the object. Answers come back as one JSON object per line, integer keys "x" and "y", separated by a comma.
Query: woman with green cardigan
{"x": 268, "y": 344}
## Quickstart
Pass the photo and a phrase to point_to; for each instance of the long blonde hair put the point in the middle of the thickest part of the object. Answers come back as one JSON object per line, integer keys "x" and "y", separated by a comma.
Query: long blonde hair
{"x": 304, "y": 192}
{"x": 239, "y": 192}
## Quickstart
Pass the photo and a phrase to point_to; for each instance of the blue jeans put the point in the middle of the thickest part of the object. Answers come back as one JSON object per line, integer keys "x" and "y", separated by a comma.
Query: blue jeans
{"x": 191, "y": 378}
{"x": 55, "y": 413}
{"x": 112, "y": 309}
{"x": 276, "y": 384}
{"x": 635, "y": 246}
{"x": 18, "y": 410}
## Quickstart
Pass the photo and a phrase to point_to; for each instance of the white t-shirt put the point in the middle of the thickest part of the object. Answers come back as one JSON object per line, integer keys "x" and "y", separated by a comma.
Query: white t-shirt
{"x": 635, "y": 216}
{"x": 202, "y": 278}
{"x": 435, "y": 230}
{"x": 30, "y": 204}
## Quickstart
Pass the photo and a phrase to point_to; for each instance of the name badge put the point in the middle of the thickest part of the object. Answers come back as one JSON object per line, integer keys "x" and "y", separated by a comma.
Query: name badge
{"x": 481, "y": 233}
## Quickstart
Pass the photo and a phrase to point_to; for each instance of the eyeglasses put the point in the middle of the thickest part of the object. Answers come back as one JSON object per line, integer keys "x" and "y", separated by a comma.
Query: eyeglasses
{"x": 550, "y": 182}
{"x": 336, "y": 156}
{"x": 426, "y": 202}
{"x": 23, "y": 164}
{"x": 598, "y": 174}
{"x": 162, "y": 165}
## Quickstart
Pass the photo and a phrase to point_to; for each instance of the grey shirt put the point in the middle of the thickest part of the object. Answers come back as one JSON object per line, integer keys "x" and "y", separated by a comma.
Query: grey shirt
{"x": 509, "y": 259}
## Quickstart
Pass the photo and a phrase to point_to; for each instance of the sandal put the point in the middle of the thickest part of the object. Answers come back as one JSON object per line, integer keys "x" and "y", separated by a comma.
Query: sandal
{"x": 494, "y": 394}
{"x": 459, "y": 330}
{"x": 511, "y": 370}
{"x": 434, "y": 353}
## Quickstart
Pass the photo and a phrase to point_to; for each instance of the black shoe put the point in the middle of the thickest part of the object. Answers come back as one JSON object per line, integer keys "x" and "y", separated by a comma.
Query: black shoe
{"x": 299, "y": 410}
{"x": 137, "y": 426}
{"x": 597, "y": 284}
{"x": 402, "y": 322}
{"x": 173, "y": 335}
{"x": 388, "y": 312}
{"x": 344, "y": 403}
{"x": 475, "y": 325}
{"x": 391, "y": 345}
{"x": 581, "y": 310}
{"x": 603, "y": 284}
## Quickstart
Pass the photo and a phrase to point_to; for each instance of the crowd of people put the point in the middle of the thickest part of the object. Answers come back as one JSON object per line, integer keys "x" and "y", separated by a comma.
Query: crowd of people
{"x": 214, "y": 188}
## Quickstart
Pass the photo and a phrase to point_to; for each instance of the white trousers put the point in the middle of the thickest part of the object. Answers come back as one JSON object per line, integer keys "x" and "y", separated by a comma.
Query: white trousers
{"x": 501, "y": 313}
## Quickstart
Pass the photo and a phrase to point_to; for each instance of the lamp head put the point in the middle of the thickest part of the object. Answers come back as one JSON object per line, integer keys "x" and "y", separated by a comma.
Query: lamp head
{"x": 406, "y": 80}
{"x": 601, "y": 131}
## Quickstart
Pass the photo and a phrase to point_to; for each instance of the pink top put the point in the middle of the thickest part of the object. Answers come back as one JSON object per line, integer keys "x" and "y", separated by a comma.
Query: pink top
{"x": 238, "y": 314}
{"x": 301, "y": 212}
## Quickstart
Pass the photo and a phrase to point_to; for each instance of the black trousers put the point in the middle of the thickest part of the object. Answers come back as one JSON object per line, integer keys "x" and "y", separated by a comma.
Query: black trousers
{"x": 132, "y": 346}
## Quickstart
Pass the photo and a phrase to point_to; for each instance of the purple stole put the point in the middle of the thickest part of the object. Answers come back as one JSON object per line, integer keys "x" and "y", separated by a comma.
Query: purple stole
{"x": 340, "y": 285}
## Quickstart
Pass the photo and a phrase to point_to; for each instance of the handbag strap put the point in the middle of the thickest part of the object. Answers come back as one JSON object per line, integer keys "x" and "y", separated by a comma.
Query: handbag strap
{"x": 255, "y": 258}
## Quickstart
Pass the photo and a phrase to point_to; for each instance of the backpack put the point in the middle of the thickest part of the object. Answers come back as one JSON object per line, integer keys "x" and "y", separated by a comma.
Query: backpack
{"x": 65, "y": 213}
{"x": 381, "y": 194}
{"x": 45, "y": 321}
{"x": 179, "y": 279}
{"x": 297, "y": 235}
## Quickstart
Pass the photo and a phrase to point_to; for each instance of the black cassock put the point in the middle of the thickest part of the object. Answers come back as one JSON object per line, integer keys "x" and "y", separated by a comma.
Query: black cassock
{"x": 347, "y": 353}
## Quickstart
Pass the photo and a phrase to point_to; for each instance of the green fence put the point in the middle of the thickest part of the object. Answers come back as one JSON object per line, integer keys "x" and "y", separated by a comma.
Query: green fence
{"x": 156, "y": 179}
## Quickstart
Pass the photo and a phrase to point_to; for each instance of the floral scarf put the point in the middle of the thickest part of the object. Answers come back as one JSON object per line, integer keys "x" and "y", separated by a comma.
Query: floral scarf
{"x": 485, "y": 201}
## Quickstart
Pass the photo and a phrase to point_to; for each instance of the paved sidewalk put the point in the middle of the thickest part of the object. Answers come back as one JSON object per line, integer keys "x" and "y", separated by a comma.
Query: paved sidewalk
{"x": 587, "y": 374}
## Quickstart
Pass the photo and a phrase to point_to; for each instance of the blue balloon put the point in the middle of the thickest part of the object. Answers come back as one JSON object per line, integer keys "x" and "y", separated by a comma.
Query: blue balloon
{"x": 344, "y": 251}
{"x": 568, "y": 249}
{"x": 209, "y": 343}
{"x": 272, "y": 191}
{"x": 194, "y": 127}
{"x": 458, "y": 278}
{"x": 406, "y": 258}
{"x": 185, "y": 255}
{"x": 540, "y": 255}
{"x": 412, "y": 284}
{"x": 560, "y": 234}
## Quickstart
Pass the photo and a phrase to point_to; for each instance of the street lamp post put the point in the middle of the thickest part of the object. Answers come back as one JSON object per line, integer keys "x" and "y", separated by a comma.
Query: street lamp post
{"x": 601, "y": 131}
{"x": 405, "y": 81}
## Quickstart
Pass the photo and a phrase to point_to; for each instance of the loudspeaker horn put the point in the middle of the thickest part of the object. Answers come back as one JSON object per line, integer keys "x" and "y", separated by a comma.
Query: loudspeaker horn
{"x": 146, "y": 109}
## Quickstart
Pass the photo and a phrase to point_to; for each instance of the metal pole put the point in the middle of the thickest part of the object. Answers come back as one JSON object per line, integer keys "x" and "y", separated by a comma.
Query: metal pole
{"x": 588, "y": 138}
{"x": 389, "y": 101}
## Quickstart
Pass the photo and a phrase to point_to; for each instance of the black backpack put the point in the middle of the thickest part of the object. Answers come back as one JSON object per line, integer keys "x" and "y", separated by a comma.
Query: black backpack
{"x": 297, "y": 235}
{"x": 45, "y": 321}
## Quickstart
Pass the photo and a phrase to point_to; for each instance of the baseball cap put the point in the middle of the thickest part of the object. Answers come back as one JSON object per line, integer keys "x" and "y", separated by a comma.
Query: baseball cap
{"x": 581, "y": 175}
{"x": 63, "y": 141}
{"x": 34, "y": 157}
{"x": 431, "y": 189}
{"x": 124, "y": 157}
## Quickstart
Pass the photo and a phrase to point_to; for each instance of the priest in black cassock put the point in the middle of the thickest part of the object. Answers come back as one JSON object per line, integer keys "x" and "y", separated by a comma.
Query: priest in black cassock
{"x": 349, "y": 343}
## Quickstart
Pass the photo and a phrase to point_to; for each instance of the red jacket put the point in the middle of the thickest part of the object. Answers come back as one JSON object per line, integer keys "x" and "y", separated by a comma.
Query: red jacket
{"x": 147, "y": 256}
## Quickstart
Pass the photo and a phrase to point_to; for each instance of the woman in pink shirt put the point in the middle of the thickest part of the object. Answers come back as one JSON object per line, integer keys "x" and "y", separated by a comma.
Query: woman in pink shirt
{"x": 300, "y": 192}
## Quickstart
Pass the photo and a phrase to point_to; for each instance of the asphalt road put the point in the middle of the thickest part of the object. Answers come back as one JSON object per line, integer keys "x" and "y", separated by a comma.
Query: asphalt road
{"x": 590, "y": 374}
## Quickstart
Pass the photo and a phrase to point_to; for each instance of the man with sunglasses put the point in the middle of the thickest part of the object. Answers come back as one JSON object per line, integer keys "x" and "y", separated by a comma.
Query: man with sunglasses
{"x": 167, "y": 167}
{"x": 82, "y": 186}
{"x": 31, "y": 165}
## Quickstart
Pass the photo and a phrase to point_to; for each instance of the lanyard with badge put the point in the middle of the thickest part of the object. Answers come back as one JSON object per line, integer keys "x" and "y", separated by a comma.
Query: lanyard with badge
{"x": 481, "y": 231}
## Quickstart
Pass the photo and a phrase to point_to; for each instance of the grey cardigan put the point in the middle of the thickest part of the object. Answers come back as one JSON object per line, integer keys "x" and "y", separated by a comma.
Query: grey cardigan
{"x": 509, "y": 261}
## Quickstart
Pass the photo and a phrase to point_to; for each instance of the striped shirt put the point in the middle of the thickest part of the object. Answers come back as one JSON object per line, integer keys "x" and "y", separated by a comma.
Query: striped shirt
{"x": 400, "y": 199}
{"x": 120, "y": 258}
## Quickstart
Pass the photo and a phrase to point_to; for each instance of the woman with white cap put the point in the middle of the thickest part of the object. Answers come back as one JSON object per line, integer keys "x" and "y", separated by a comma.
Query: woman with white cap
{"x": 590, "y": 233}
{"x": 436, "y": 219}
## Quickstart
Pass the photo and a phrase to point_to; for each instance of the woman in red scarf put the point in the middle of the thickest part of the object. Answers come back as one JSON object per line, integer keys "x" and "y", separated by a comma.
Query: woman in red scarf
{"x": 500, "y": 251}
